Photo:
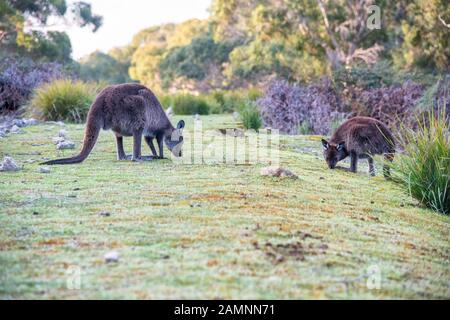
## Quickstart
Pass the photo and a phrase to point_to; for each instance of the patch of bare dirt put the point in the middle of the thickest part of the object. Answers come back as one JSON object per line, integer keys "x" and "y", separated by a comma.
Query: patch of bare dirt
{"x": 297, "y": 250}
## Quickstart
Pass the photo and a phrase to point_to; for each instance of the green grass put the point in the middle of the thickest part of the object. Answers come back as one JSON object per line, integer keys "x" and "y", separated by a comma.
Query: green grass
{"x": 198, "y": 231}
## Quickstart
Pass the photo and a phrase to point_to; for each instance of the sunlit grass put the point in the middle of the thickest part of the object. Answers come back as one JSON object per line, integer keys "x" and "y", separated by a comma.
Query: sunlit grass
{"x": 203, "y": 231}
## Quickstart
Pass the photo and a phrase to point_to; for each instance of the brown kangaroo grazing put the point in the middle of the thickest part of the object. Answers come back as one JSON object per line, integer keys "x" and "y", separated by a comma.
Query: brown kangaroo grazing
{"x": 129, "y": 110}
{"x": 360, "y": 138}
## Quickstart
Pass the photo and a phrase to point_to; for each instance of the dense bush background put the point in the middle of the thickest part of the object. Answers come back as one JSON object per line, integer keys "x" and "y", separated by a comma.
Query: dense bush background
{"x": 293, "y": 108}
{"x": 18, "y": 78}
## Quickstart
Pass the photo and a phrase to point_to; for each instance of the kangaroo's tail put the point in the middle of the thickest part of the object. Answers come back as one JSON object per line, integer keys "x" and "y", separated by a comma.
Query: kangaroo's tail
{"x": 90, "y": 138}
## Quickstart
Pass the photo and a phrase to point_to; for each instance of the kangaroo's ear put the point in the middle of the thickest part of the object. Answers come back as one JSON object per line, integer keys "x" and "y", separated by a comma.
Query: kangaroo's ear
{"x": 325, "y": 144}
{"x": 180, "y": 124}
{"x": 341, "y": 146}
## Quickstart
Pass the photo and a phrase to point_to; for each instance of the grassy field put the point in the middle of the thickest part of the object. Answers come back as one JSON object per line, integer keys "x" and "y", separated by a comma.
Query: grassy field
{"x": 210, "y": 232}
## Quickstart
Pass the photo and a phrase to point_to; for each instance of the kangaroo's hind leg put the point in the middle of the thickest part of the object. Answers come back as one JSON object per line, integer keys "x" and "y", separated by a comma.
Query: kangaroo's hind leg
{"x": 160, "y": 139}
{"x": 120, "y": 151}
{"x": 353, "y": 162}
{"x": 371, "y": 166}
{"x": 137, "y": 144}
{"x": 149, "y": 141}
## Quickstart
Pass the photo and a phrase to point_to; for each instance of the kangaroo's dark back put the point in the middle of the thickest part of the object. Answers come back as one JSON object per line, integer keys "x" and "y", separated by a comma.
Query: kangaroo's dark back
{"x": 364, "y": 135}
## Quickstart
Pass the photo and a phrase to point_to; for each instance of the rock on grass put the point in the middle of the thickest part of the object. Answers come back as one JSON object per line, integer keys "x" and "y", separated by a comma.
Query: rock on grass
{"x": 112, "y": 257}
{"x": 278, "y": 172}
{"x": 44, "y": 170}
{"x": 9, "y": 164}
{"x": 65, "y": 145}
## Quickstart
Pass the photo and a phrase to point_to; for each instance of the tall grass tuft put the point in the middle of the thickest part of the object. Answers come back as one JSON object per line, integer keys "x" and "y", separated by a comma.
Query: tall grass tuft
{"x": 63, "y": 100}
{"x": 250, "y": 116}
{"x": 424, "y": 167}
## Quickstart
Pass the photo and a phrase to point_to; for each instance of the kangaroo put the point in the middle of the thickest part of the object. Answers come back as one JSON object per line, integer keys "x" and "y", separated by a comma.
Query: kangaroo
{"x": 359, "y": 138}
{"x": 129, "y": 110}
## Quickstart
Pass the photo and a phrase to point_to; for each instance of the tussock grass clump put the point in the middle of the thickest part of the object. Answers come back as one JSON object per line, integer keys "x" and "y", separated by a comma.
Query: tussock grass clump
{"x": 424, "y": 167}
{"x": 251, "y": 117}
{"x": 63, "y": 100}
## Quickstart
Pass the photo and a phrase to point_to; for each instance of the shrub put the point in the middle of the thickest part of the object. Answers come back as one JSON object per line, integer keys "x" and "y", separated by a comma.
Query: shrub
{"x": 424, "y": 167}
{"x": 365, "y": 76}
{"x": 436, "y": 96}
{"x": 186, "y": 104}
{"x": 230, "y": 101}
{"x": 289, "y": 107}
{"x": 63, "y": 100}
{"x": 250, "y": 116}
{"x": 18, "y": 78}
{"x": 391, "y": 105}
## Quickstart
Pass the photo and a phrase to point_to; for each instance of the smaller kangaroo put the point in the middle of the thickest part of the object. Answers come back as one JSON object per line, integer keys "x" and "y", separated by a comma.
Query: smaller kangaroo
{"x": 129, "y": 110}
{"x": 360, "y": 138}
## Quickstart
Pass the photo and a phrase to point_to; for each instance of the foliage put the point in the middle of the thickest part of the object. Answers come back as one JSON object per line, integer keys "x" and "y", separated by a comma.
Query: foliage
{"x": 425, "y": 41}
{"x": 18, "y": 78}
{"x": 424, "y": 167}
{"x": 187, "y": 104}
{"x": 20, "y": 21}
{"x": 390, "y": 104}
{"x": 436, "y": 96}
{"x": 63, "y": 100}
{"x": 249, "y": 43}
{"x": 193, "y": 61}
{"x": 150, "y": 46}
{"x": 100, "y": 66}
{"x": 228, "y": 101}
{"x": 289, "y": 107}
{"x": 250, "y": 116}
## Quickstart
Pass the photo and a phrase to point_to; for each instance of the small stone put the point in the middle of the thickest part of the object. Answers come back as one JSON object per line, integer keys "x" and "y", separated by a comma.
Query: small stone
{"x": 112, "y": 257}
{"x": 278, "y": 172}
{"x": 279, "y": 259}
{"x": 65, "y": 145}
{"x": 62, "y": 133}
{"x": 44, "y": 170}
{"x": 31, "y": 122}
{"x": 9, "y": 165}
{"x": 105, "y": 214}
{"x": 15, "y": 129}
{"x": 19, "y": 123}
{"x": 35, "y": 213}
{"x": 57, "y": 140}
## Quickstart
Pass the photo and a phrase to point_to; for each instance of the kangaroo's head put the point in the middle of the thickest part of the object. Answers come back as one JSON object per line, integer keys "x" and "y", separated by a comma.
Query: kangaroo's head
{"x": 174, "y": 141}
{"x": 333, "y": 153}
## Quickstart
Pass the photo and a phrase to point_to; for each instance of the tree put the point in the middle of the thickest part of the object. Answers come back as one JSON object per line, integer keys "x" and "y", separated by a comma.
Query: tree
{"x": 425, "y": 41}
{"x": 199, "y": 60}
{"x": 100, "y": 66}
{"x": 153, "y": 44}
{"x": 23, "y": 24}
